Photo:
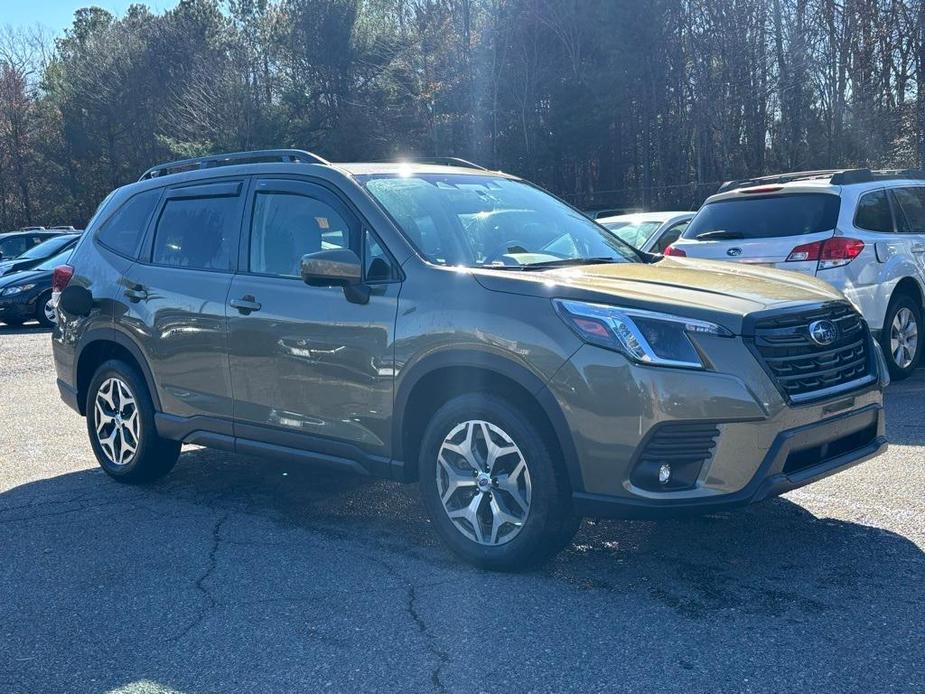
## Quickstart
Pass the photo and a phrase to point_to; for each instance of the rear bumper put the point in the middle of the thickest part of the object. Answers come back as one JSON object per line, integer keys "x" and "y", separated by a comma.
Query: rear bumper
{"x": 68, "y": 395}
{"x": 798, "y": 457}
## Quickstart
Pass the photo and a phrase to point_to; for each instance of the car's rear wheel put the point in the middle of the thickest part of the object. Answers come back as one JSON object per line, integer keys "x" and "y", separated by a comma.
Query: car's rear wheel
{"x": 901, "y": 337}
{"x": 44, "y": 311}
{"x": 491, "y": 485}
{"x": 120, "y": 422}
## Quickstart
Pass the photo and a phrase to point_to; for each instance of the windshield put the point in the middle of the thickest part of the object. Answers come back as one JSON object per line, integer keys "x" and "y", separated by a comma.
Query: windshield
{"x": 763, "y": 217}
{"x": 46, "y": 248}
{"x": 633, "y": 233}
{"x": 55, "y": 261}
{"x": 489, "y": 221}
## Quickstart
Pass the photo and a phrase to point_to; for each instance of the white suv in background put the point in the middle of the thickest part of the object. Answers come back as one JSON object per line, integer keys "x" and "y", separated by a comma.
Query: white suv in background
{"x": 861, "y": 231}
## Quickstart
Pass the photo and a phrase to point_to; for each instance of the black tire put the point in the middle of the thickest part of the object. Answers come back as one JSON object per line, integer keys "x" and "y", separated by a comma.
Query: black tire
{"x": 153, "y": 456}
{"x": 899, "y": 303}
{"x": 550, "y": 522}
{"x": 40, "y": 310}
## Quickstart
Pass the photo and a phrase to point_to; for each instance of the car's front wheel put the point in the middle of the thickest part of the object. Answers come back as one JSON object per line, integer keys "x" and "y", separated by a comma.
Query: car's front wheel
{"x": 900, "y": 337}
{"x": 120, "y": 422}
{"x": 491, "y": 485}
{"x": 45, "y": 311}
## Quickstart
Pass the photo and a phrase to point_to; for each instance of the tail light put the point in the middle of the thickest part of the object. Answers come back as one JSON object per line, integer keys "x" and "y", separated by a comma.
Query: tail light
{"x": 833, "y": 252}
{"x": 677, "y": 252}
{"x": 60, "y": 277}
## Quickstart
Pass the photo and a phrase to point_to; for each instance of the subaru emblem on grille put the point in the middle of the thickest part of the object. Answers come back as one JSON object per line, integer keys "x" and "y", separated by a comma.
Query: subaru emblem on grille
{"x": 734, "y": 252}
{"x": 823, "y": 332}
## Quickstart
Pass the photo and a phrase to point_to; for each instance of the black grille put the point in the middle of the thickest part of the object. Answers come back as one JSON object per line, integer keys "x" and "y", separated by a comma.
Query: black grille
{"x": 798, "y": 365}
{"x": 685, "y": 447}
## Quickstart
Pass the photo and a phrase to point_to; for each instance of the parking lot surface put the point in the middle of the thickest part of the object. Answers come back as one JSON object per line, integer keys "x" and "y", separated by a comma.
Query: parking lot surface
{"x": 235, "y": 574}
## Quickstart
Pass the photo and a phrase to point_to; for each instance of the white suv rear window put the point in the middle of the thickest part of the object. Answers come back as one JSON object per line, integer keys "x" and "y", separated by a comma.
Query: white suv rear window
{"x": 766, "y": 216}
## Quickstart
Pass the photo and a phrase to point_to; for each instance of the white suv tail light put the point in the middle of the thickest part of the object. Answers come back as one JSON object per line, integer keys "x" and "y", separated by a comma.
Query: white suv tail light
{"x": 833, "y": 252}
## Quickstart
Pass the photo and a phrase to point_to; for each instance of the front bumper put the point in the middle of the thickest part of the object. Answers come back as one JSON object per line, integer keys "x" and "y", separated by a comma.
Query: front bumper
{"x": 17, "y": 308}
{"x": 852, "y": 438}
{"x": 764, "y": 446}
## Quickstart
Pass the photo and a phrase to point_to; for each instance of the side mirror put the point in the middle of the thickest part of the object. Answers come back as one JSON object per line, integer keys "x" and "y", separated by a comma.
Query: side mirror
{"x": 337, "y": 268}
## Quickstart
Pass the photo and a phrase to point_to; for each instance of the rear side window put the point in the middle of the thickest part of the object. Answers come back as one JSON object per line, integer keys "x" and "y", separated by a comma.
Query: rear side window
{"x": 767, "y": 216}
{"x": 197, "y": 233}
{"x": 912, "y": 203}
{"x": 123, "y": 231}
{"x": 874, "y": 213}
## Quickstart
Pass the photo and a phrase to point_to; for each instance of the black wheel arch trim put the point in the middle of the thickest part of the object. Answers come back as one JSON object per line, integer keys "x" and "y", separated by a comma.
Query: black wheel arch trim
{"x": 111, "y": 334}
{"x": 486, "y": 361}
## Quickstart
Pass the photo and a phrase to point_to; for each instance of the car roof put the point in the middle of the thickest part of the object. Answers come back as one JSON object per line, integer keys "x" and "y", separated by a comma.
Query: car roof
{"x": 46, "y": 232}
{"x": 812, "y": 185}
{"x": 400, "y": 167}
{"x": 645, "y": 217}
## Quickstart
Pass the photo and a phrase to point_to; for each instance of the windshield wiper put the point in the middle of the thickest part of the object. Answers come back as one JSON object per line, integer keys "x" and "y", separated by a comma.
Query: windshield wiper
{"x": 719, "y": 234}
{"x": 567, "y": 262}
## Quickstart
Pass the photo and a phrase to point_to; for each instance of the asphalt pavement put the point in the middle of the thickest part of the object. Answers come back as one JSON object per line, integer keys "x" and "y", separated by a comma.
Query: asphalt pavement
{"x": 240, "y": 575}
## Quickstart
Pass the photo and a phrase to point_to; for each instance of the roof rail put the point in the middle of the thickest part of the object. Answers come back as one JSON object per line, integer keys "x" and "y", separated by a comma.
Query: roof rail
{"x": 229, "y": 158}
{"x": 32, "y": 229}
{"x": 444, "y": 161}
{"x": 845, "y": 178}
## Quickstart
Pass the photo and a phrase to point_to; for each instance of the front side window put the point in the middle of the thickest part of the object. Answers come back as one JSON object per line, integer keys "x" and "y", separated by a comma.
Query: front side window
{"x": 489, "y": 221}
{"x": 912, "y": 203}
{"x": 123, "y": 231}
{"x": 287, "y": 226}
{"x": 873, "y": 213}
{"x": 672, "y": 234}
{"x": 197, "y": 233}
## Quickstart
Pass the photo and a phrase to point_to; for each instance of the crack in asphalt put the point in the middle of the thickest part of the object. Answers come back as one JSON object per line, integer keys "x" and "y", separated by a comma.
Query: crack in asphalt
{"x": 200, "y": 584}
{"x": 443, "y": 658}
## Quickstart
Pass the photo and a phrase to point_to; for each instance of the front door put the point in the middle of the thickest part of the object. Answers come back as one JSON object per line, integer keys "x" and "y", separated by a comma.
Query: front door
{"x": 309, "y": 368}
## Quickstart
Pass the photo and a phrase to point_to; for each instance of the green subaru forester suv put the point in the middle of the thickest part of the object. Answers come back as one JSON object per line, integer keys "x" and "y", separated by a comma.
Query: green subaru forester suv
{"x": 455, "y": 327}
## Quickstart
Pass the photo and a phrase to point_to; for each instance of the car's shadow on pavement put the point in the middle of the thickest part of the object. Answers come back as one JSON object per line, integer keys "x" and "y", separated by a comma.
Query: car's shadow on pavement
{"x": 255, "y": 567}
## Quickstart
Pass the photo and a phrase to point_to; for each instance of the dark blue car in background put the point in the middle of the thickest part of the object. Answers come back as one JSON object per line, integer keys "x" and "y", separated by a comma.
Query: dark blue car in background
{"x": 26, "y": 295}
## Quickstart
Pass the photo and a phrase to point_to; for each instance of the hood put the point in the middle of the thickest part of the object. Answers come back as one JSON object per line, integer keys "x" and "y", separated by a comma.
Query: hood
{"x": 25, "y": 277}
{"x": 716, "y": 291}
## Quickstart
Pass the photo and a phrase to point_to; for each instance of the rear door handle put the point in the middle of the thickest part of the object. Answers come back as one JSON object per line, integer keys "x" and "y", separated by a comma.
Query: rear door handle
{"x": 246, "y": 304}
{"x": 136, "y": 293}
{"x": 918, "y": 247}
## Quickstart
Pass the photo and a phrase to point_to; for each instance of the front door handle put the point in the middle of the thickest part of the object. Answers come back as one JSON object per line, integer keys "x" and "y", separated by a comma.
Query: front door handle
{"x": 918, "y": 248}
{"x": 136, "y": 293}
{"x": 246, "y": 304}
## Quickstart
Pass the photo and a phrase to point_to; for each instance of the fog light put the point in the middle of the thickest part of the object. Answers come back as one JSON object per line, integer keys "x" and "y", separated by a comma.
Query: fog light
{"x": 664, "y": 473}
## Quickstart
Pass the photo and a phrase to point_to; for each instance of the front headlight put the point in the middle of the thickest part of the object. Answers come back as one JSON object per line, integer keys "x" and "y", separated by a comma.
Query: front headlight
{"x": 647, "y": 337}
{"x": 18, "y": 289}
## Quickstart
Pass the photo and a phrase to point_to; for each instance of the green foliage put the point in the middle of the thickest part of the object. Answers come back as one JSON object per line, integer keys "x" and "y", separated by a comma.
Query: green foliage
{"x": 607, "y": 102}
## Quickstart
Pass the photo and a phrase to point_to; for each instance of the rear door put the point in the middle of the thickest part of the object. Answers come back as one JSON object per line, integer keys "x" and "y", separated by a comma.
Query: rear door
{"x": 174, "y": 296}
{"x": 762, "y": 226}
{"x": 910, "y": 204}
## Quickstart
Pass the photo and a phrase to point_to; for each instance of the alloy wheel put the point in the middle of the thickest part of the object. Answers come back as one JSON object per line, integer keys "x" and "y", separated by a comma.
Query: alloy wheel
{"x": 483, "y": 482}
{"x": 904, "y": 337}
{"x": 116, "y": 421}
{"x": 49, "y": 311}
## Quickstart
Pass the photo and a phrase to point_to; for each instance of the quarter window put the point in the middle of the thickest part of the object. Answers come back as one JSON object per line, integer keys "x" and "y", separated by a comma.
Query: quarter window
{"x": 287, "y": 226}
{"x": 123, "y": 231}
{"x": 874, "y": 213}
{"x": 197, "y": 233}
{"x": 912, "y": 203}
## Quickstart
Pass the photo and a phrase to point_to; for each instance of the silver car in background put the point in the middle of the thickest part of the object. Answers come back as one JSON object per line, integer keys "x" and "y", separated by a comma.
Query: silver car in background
{"x": 652, "y": 232}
